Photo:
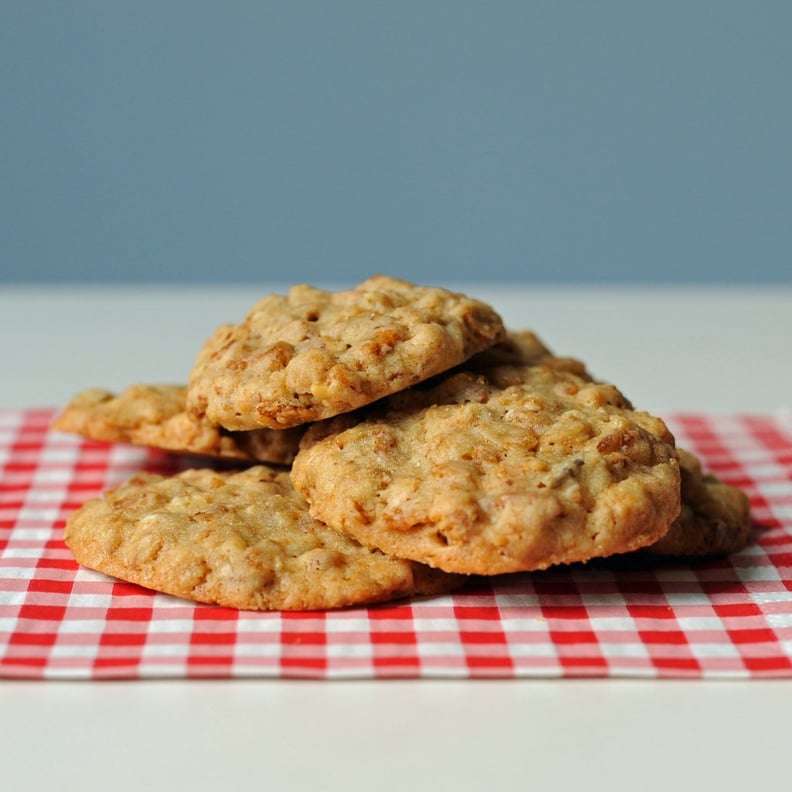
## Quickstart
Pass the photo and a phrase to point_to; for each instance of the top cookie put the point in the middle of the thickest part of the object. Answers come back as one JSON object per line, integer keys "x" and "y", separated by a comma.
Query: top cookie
{"x": 314, "y": 354}
{"x": 510, "y": 468}
{"x": 155, "y": 416}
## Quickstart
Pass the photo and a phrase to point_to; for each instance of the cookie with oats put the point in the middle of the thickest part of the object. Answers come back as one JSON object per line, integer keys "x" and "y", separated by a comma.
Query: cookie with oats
{"x": 155, "y": 416}
{"x": 498, "y": 469}
{"x": 242, "y": 540}
{"x": 516, "y": 348}
{"x": 313, "y": 354}
{"x": 525, "y": 348}
{"x": 715, "y": 517}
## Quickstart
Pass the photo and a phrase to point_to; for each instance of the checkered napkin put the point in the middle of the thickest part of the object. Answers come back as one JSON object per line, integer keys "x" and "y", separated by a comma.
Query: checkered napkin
{"x": 728, "y": 617}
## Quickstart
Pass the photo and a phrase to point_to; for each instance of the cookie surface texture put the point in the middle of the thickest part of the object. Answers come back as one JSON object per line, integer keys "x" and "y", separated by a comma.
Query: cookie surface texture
{"x": 715, "y": 517}
{"x": 243, "y": 540}
{"x": 503, "y": 469}
{"x": 155, "y": 416}
{"x": 313, "y": 354}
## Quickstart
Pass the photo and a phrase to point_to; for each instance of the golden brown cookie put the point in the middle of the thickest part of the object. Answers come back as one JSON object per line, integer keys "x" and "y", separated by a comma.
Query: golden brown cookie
{"x": 242, "y": 540}
{"x": 155, "y": 416}
{"x": 503, "y": 469}
{"x": 516, "y": 348}
{"x": 715, "y": 517}
{"x": 525, "y": 348}
{"x": 314, "y": 354}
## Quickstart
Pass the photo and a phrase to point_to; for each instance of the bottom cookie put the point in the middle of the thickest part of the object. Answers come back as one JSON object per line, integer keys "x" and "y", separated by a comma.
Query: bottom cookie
{"x": 715, "y": 518}
{"x": 155, "y": 416}
{"x": 242, "y": 540}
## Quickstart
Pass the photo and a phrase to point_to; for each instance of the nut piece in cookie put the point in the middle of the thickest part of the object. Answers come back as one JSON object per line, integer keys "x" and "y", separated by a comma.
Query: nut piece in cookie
{"x": 314, "y": 354}
{"x": 155, "y": 416}
{"x": 500, "y": 469}
{"x": 242, "y": 540}
{"x": 715, "y": 517}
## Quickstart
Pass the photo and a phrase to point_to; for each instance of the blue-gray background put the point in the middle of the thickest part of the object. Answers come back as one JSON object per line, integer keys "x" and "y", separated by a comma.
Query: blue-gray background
{"x": 440, "y": 141}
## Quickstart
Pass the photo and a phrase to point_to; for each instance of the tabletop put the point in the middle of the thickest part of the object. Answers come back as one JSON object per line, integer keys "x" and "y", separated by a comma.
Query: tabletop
{"x": 698, "y": 349}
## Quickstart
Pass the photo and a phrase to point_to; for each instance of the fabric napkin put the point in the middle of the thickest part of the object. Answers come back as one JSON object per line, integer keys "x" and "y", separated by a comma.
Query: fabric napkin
{"x": 728, "y": 617}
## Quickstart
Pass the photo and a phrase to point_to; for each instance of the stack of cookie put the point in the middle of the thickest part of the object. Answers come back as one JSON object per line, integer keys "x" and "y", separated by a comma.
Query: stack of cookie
{"x": 388, "y": 441}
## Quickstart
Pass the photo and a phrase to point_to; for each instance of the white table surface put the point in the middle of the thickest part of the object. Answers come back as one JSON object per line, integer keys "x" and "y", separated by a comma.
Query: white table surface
{"x": 697, "y": 349}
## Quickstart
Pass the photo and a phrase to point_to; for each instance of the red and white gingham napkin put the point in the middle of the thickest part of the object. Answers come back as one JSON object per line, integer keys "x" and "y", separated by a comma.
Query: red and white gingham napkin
{"x": 727, "y": 617}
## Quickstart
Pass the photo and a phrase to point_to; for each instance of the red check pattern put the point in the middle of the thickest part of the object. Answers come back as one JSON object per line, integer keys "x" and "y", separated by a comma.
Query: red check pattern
{"x": 727, "y": 617}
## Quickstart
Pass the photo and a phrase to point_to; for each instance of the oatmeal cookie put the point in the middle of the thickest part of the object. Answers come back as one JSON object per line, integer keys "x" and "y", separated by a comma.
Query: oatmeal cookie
{"x": 525, "y": 348}
{"x": 242, "y": 540}
{"x": 314, "y": 354}
{"x": 155, "y": 416}
{"x": 498, "y": 469}
{"x": 715, "y": 517}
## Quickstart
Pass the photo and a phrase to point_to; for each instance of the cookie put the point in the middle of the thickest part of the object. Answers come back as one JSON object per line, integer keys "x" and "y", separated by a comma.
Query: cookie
{"x": 242, "y": 540}
{"x": 715, "y": 517}
{"x": 314, "y": 354}
{"x": 516, "y": 348}
{"x": 525, "y": 348}
{"x": 155, "y": 416}
{"x": 495, "y": 470}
